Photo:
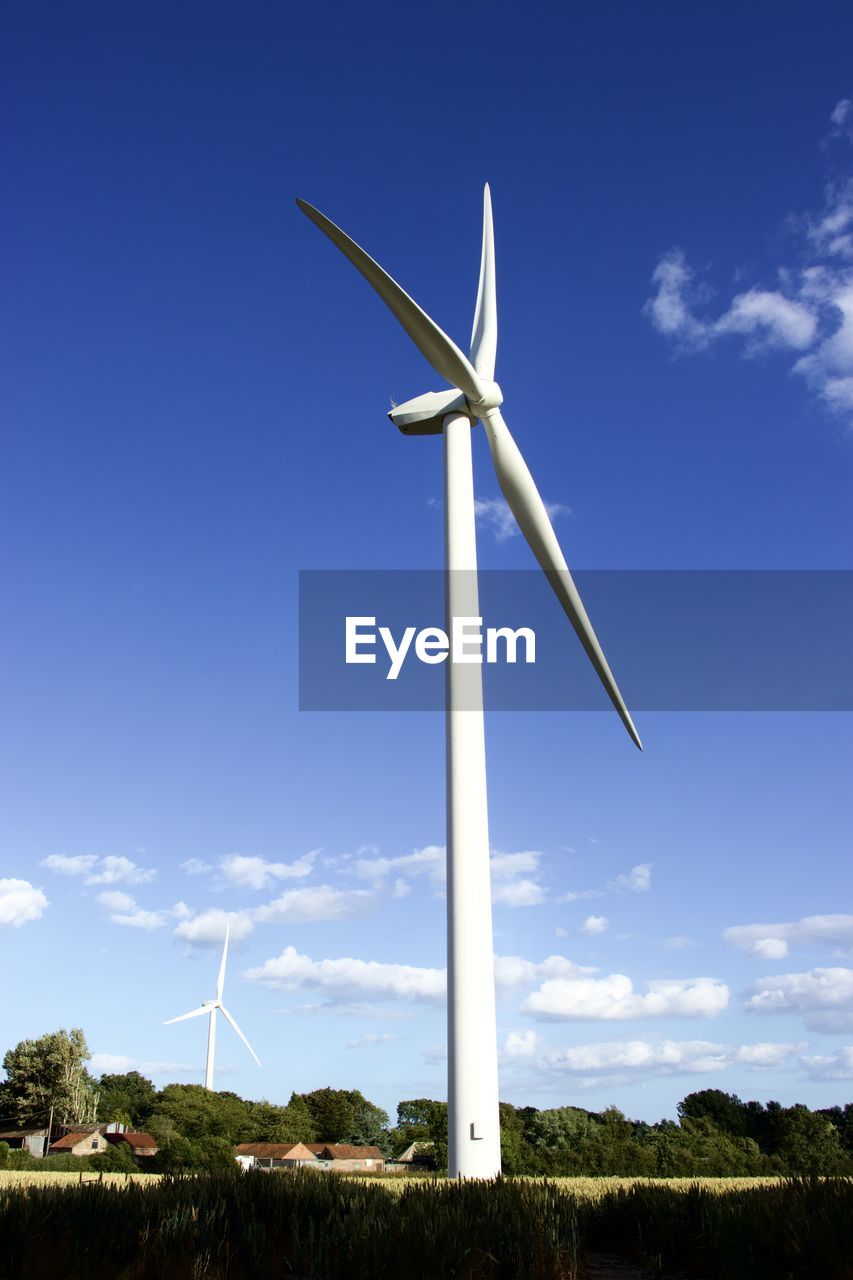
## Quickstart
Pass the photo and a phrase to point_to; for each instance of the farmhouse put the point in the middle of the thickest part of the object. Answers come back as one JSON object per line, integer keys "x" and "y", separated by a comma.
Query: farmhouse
{"x": 343, "y": 1157}
{"x": 273, "y": 1155}
{"x": 79, "y": 1144}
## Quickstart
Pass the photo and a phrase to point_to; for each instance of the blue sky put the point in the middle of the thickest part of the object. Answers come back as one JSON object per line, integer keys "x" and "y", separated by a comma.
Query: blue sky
{"x": 195, "y": 387}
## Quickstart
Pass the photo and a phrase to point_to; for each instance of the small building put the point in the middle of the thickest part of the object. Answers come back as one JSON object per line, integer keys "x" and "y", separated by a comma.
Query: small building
{"x": 32, "y": 1140}
{"x": 273, "y": 1155}
{"x": 418, "y": 1155}
{"x": 79, "y": 1144}
{"x": 140, "y": 1144}
{"x": 343, "y": 1157}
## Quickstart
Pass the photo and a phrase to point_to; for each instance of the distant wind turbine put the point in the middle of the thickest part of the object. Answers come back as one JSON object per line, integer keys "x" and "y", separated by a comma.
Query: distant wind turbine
{"x": 211, "y": 1008}
{"x": 472, "y": 1085}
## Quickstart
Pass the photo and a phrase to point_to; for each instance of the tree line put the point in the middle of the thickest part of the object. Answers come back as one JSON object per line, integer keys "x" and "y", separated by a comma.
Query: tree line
{"x": 716, "y": 1134}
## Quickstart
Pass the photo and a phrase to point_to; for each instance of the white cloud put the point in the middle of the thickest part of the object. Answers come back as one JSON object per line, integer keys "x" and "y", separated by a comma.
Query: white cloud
{"x": 401, "y": 888}
{"x": 779, "y": 321}
{"x": 823, "y": 997}
{"x": 637, "y": 880}
{"x": 371, "y": 1039}
{"x": 665, "y": 1057}
{"x": 435, "y": 1055}
{"x": 810, "y": 312}
{"x": 322, "y": 902}
{"x": 64, "y": 865}
{"x": 349, "y": 977}
{"x": 208, "y": 927}
{"x": 518, "y": 893}
{"x": 504, "y": 866}
{"x": 122, "y": 909}
{"x": 772, "y": 941}
{"x": 842, "y": 118}
{"x": 595, "y": 924}
{"x": 118, "y": 1063}
{"x": 196, "y": 867}
{"x": 429, "y": 860}
{"x": 671, "y": 307}
{"x": 614, "y": 997}
{"x": 20, "y": 902}
{"x": 679, "y": 942}
{"x": 515, "y": 971}
{"x": 521, "y": 1044}
{"x": 257, "y": 873}
{"x": 494, "y": 514}
{"x": 833, "y": 1066}
{"x": 113, "y": 869}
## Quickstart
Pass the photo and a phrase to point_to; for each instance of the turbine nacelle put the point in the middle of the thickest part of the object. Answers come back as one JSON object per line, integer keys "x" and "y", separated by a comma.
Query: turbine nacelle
{"x": 424, "y": 415}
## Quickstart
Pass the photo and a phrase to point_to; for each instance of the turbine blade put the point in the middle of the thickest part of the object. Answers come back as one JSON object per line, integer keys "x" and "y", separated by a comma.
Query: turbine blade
{"x": 484, "y": 338}
{"x": 529, "y": 510}
{"x": 220, "y": 982}
{"x": 227, "y": 1015}
{"x": 441, "y": 351}
{"x": 194, "y": 1013}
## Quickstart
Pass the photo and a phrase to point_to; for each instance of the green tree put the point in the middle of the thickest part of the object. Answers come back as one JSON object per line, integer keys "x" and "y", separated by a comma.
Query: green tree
{"x": 370, "y": 1123}
{"x": 271, "y": 1123}
{"x": 129, "y": 1097}
{"x": 725, "y": 1109}
{"x": 195, "y": 1112}
{"x": 50, "y": 1072}
{"x": 808, "y": 1143}
{"x": 332, "y": 1113}
{"x": 513, "y": 1153}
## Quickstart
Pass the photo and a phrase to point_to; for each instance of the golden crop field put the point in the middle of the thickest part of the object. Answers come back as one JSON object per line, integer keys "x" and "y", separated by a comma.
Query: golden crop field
{"x": 11, "y": 1179}
{"x": 583, "y": 1187}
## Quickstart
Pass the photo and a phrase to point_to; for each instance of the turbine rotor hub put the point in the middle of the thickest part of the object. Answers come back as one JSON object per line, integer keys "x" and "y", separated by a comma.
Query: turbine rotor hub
{"x": 492, "y": 397}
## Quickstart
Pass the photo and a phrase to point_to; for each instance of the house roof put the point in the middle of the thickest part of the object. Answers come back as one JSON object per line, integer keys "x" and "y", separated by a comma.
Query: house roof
{"x": 414, "y": 1152}
{"x": 70, "y": 1140}
{"x": 132, "y": 1139}
{"x": 273, "y": 1150}
{"x": 22, "y": 1133}
{"x": 343, "y": 1151}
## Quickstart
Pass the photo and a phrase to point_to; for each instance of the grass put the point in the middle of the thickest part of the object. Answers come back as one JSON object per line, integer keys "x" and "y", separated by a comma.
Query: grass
{"x": 314, "y": 1226}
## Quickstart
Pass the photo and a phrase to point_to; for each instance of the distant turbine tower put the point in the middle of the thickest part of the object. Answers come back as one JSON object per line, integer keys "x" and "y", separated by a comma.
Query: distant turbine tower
{"x": 474, "y": 1148}
{"x": 210, "y": 1007}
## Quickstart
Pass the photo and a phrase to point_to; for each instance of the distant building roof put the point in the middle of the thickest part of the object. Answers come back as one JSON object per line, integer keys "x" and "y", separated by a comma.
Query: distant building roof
{"x": 69, "y": 1140}
{"x": 22, "y": 1133}
{"x": 274, "y": 1150}
{"x": 416, "y": 1153}
{"x": 343, "y": 1151}
{"x": 132, "y": 1139}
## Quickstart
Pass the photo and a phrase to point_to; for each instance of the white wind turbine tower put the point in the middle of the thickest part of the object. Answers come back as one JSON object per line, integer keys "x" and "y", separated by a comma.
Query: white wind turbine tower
{"x": 211, "y": 1008}
{"x": 472, "y": 1088}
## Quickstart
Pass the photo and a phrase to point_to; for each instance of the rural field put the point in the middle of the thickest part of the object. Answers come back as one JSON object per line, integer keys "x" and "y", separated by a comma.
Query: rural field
{"x": 234, "y": 1226}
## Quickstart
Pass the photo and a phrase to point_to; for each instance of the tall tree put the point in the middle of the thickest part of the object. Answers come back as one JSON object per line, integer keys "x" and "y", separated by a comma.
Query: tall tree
{"x": 129, "y": 1097}
{"x": 50, "y": 1072}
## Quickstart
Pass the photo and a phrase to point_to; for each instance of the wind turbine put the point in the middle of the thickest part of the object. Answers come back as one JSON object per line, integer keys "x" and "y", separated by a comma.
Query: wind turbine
{"x": 472, "y": 1087}
{"x": 211, "y": 1008}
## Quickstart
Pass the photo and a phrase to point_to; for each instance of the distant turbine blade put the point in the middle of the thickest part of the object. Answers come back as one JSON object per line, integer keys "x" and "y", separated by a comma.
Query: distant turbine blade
{"x": 484, "y": 339}
{"x": 529, "y": 510}
{"x": 227, "y": 1015}
{"x": 441, "y": 351}
{"x": 220, "y": 982}
{"x": 195, "y": 1013}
